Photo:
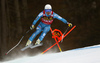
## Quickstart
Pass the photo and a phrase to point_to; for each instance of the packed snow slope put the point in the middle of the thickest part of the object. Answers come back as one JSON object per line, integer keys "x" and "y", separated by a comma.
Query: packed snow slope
{"x": 82, "y": 55}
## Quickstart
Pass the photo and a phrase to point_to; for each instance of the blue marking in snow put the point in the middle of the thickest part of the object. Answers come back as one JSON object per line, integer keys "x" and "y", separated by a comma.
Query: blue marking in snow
{"x": 91, "y": 47}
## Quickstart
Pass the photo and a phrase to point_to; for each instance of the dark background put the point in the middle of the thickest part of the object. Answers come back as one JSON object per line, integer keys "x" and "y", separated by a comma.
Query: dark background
{"x": 16, "y": 16}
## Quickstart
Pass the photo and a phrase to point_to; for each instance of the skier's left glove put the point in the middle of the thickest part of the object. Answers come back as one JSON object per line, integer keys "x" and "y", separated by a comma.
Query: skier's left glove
{"x": 32, "y": 27}
{"x": 70, "y": 24}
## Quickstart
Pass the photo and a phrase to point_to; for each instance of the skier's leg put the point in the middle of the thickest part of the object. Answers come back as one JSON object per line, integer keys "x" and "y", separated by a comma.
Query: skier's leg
{"x": 45, "y": 31}
{"x": 34, "y": 35}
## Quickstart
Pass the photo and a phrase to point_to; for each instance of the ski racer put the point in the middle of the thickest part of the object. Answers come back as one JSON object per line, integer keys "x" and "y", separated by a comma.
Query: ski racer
{"x": 47, "y": 16}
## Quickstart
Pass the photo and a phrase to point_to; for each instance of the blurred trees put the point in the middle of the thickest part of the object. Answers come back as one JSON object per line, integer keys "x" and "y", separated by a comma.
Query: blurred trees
{"x": 18, "y": 18}
{"x": 11, "y": 22}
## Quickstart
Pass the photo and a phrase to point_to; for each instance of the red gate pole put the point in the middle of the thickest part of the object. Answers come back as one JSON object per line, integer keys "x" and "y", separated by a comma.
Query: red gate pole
{"x": 58, "y": 41}
{"x": 69, "y": 31}
{"x": 58, "y": 45}
{"x": 49, "y": 48}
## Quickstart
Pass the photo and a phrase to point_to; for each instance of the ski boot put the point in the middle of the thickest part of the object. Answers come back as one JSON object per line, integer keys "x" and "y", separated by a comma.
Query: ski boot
{"x": 37, "y": 42}
{"x": 28, "y": 42}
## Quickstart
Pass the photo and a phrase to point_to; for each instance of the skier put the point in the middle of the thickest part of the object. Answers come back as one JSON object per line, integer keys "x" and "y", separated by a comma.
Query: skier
{"x": 47, "y": 16}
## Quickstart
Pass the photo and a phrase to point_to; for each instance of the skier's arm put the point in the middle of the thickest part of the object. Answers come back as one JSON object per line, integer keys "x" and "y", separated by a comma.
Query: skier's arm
{"x": 60, "y": 18}
{"x": 37, "y": 18}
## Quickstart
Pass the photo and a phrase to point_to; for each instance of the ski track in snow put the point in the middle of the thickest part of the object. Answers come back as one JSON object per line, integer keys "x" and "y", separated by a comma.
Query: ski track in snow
{"x": 81, "y": 55}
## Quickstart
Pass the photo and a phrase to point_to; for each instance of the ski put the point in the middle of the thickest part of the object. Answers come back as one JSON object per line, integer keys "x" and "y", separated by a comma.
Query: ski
{"x": 31, "y": 46}
{"x": 34, "y": 46}
{"x": 26, "y": 47}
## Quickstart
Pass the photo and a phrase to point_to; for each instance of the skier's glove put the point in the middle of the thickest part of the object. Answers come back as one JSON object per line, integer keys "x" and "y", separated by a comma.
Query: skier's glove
{"x": 32, "y": 27}
{"x": 70, "y": 24}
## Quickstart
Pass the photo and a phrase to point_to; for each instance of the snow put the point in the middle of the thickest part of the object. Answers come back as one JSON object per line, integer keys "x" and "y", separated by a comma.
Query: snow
{"x": 82, "y": 55}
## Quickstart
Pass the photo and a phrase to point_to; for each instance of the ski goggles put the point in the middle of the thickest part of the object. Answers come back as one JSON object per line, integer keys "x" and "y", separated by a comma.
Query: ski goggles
{"x": 47, "y": 10}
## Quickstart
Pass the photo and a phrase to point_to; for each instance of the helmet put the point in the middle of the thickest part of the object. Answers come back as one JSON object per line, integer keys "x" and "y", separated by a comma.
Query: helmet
{"x": 48, "y": 8}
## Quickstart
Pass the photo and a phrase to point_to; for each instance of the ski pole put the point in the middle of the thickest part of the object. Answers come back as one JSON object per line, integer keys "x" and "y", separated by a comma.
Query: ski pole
{"x": 17, "y": 43}
{"x": 64, "y": 34}
{"x": 66, "y": 31}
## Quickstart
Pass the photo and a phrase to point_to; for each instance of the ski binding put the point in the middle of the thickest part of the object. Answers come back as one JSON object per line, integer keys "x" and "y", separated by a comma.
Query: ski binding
{"x": 36, "y": 45}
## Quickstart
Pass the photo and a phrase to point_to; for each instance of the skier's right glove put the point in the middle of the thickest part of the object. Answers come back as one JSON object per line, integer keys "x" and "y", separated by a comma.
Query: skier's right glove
{"x": 70, "y": 24}
{"x": 32, "y": 27}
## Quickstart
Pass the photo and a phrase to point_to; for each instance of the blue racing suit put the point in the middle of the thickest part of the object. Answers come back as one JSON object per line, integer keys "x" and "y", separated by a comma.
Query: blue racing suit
{"x": 44, "y": 27}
